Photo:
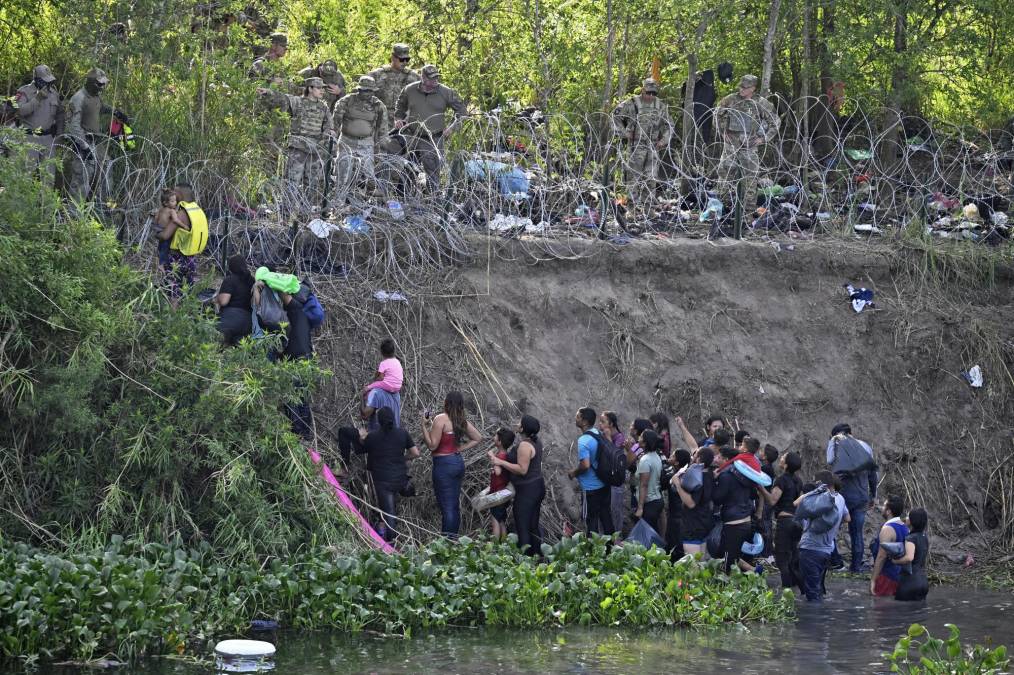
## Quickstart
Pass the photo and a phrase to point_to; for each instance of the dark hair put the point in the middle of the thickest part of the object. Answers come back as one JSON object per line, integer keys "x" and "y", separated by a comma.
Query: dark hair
{"x": 727, "y": 451}
{"x": 163, "y": 197}
{"x": 185, "y": 193}
{"x": 650, "y": 441}
{"x": 722, "y": 437}
{"x": 237, "y": 265}
{"x": 385, "y": 417}
{"x": 682, "y": 457}
{"x": 828, "y": 479}
{"x": 752, "y": 445}
{"x": 841, "y": 429}
{"x": 742, "y": 435}
{"x": 897, "y": 504}
{"x": 588, "y": 415}
{"x": 809, "y": 487}
{"x": 614, "y": 421}
{"x": 706, "y": 457}
{"x": 387, "y": 348}
{"x": 918, "y": 519}
{"x": 793, "y": 462}
{"x": 505, "y": 436}
{"x": 714, "y": 418}
{"x": 770, "y": 454}
{"x": 530, "y": 427}
{"x": 454, "y": 408}
{"x": 660, "y": 421}
{"x": 640, "y": 426}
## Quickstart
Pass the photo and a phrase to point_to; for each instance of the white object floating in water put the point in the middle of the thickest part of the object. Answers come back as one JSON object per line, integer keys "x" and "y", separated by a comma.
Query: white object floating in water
{"x": 974, "y": 376}
{"x": 244, "y": 656}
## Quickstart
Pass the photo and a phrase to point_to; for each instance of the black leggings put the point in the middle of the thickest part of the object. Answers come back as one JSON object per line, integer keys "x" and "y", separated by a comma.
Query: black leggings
{"x": 527, "y": 511}
{"x": 599, "y": 516}
{"x": 651, "y": 512}
{"x": 733, "y": 537}
{"x": 787, "y": 534}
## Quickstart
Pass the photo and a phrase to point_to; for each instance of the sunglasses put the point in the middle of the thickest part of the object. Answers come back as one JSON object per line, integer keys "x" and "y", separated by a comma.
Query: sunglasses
{"x": 405, "y": 59}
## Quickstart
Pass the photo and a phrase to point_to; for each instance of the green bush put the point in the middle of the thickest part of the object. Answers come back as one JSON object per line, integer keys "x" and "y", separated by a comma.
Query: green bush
{"x": 121, "y": 414}
{"x": 132, "y": 599}
{"x": 919, "y": 653}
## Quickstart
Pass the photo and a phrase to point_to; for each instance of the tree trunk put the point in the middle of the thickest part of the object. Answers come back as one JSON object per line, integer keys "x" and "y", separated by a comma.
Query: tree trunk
{"x": 887, "y": 153}
{"x": 607, "y": 88}
{"x": 691, "y": 135}
{"x": 769, "y": 47}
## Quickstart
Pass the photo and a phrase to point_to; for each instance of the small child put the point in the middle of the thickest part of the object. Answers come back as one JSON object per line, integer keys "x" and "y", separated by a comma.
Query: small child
{"x": 167, "y": 220}
{"x": 498, "y": 480}
{"x": 389, "y": 375}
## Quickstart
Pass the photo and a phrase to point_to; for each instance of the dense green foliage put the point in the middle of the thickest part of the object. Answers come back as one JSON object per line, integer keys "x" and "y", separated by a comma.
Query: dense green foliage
{"x": 122, "y": 414}
{"x": 131, "y": 599}
{"x": 919, "y": 653}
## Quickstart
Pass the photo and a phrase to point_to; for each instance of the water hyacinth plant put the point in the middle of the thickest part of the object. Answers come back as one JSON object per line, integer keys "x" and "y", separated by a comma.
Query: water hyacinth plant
{"x": 132, "y": 599}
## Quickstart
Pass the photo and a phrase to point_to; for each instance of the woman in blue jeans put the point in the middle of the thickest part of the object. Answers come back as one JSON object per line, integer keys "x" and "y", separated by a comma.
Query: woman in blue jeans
{"x": 448, "y": 435}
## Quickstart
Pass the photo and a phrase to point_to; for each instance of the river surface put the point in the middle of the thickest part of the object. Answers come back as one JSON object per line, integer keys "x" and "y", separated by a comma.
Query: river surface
{"x": 846, "y": 634}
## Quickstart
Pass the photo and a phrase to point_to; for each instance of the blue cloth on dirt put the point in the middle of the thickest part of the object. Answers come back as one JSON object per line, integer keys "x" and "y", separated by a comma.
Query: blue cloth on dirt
{"x": 512, "y": 182}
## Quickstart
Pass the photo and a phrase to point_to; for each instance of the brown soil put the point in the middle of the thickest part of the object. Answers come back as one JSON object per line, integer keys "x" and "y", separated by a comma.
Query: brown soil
{"x": 693, "y": 328}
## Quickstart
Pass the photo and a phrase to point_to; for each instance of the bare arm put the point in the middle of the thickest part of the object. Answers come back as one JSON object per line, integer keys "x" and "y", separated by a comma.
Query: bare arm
{"x": 909, "y": 554}
{"x": 771, "y": 497}
{"x": 688, "y": 437}
{"x": 685, "y": 497}
{"x": 413, "y": 452}
{"x": 641, "y": 493}
{"x": 473, "y": 439}
{"x": 433, "y": 431}
{"x": 222, "y": 299}
{"x": 526, "y": 451}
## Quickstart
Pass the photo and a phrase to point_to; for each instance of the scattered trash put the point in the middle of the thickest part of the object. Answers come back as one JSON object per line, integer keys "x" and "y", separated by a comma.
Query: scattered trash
{"x": 867, "y": 228}
{"x": 857, "y": 155}
{"x": 973, "y": 376}
{"x": 861, "y": 297}
{"x": 356, "y": 223}
{"x": 392, "y": 296}
{"x": 506, "y": 223}
{"x": 397, "y": 212}
{"x": 263, "y": 624}
{"x": 537, "y": 228}
{"x": 998, "y": 219}
{"x": 321, "y": 228}
{"x": 823, "y": 216}
{"x": 970, "y": 211}
{"x": 761, "y": 389}
{"x": 713, "y": 209}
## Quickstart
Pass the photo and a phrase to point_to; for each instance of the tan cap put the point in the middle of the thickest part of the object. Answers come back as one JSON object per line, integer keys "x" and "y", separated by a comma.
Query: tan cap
{"x": 401, "y": 50}
{"x": 649, "y": 86}
{"x": 313, "y": 82}
{"x": 748, "y": 81}
{"x": 98, "y": 75}
{"x": 280, "y": 39}
{"x": 367, "y": 83}
{"x": 430, "y": 72}
{"x": 42, "y": 72}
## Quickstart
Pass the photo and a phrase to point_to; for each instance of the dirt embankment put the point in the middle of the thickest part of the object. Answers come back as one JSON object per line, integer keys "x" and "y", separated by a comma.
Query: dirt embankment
{"x": 692, "y": 328}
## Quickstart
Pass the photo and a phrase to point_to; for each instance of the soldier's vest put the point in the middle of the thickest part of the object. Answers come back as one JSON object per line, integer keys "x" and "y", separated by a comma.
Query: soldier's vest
{"x": 42, "y": 122}
{"x": 91, "y": 112}
{"x": 307, "y": 123}
{"x": 647, "y": 119}
{"x": 743, "y": 119}
{"x": 390, "y": 84}
{"x": 360, "y": 117}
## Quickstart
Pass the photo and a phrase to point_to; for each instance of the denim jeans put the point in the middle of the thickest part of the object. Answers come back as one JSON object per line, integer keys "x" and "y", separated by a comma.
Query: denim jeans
{"x": 448, "y": 470}
{"x": 812, "y": 565}
{"x": 858, "y": 516}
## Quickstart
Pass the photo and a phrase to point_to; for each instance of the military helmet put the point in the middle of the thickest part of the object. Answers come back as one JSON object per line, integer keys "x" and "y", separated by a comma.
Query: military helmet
{"x": 430, "y": 72}
{"x": 313, "y": 82}
{"x": 400, "y": 50}
{"x": 97, "y": 75}
{"x": 329, "y": 67}
{"x": 367, "y": 83}
{"x": 748, "y": 81}
{"x": 649, "y": 86}
{"x": 42, "y": 72}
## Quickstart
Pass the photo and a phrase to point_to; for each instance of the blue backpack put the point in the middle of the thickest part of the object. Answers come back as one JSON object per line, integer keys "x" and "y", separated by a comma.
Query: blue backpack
{"x": 312, "y": 308}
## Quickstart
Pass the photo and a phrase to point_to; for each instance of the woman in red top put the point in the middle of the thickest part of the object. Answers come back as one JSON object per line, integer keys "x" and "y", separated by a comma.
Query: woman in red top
{"x": 448, "y": 435}
{"x": 499, "y": 480}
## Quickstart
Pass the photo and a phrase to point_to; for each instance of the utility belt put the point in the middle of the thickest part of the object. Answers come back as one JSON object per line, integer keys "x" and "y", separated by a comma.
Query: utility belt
{"x": 419, "y": 130}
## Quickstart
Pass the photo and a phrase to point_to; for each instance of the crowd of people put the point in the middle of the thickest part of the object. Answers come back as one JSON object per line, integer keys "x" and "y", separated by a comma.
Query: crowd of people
{"x": 723, "y": 495}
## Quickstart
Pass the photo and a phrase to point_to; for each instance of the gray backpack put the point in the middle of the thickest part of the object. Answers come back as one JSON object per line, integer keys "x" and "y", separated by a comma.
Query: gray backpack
{"x": 849, "y": 456}
{"x": 820, "y": 509}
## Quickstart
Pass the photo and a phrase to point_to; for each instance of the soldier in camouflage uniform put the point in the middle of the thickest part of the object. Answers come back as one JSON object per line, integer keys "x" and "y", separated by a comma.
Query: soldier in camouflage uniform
{"x": 644, "y": 123}
{"x": 311, "y": 123}
{"x": 266, "y": 68}
{"x": 88, "y": 120}
{"x": 745, "y": 122}
{"x": 421, "y": 114}
{"x": 391, "y": 79}
{"x": 334, "y": 81}
{"x": 361, "y": 119}
{"x": 37, "y": 106}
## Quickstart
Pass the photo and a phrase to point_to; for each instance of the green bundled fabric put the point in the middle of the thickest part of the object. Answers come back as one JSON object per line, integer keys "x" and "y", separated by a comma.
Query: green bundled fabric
{"x": 771, "y": 191}
{"x": 283, "y": 283}
{"x": 858, "y": 155}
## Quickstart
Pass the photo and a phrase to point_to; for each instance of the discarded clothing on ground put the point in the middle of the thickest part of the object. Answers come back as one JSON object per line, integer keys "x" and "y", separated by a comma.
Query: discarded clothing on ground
{"x": 861, "y": 298}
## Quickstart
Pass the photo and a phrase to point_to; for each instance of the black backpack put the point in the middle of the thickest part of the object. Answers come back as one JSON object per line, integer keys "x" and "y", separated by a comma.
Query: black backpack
{"x": 610, "y": 462}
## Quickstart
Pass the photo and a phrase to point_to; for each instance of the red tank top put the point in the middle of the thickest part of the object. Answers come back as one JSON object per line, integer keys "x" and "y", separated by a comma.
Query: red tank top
{"x": 448, "y": 445}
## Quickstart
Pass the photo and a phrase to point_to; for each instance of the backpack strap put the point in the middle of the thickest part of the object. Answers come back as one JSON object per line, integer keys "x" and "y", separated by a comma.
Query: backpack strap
{"x": 593, "y": 461}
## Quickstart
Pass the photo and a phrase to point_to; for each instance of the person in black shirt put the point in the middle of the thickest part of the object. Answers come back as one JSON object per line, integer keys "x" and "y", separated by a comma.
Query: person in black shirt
{"x": 913, "y": 584}
{"x": 386, "y": 450}
{"x": 674, "y": 519}
{"x": 233, "y": 301}
{"x": 734, "y": 494}
{"x": 698, "y": 515}
{"x": 786, "y": 489}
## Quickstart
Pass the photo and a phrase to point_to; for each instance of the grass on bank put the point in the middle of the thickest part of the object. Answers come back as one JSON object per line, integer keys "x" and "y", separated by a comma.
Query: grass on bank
{"x": 132, "y": 599}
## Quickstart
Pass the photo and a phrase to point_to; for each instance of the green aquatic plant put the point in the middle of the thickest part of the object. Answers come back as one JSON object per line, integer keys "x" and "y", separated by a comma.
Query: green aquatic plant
{"x": 133, "y": 599}
{"x": 919, "y": 653}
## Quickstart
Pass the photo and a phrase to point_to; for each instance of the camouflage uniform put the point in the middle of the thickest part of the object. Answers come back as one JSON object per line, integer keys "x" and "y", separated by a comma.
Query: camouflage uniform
{"x": 38, "y": 110}
{"x": 311, "y": 122}
{"x": 327, "y": 71}
{"x": 647, "y": 128}
{"x": 87, "y": 124}
{"x": 390, "y": 83}
{"x": 268, "y": 67}
{"x": 741, "y": 122}
{"x": 425, "y": 123}
{"x": 361, "y": 118}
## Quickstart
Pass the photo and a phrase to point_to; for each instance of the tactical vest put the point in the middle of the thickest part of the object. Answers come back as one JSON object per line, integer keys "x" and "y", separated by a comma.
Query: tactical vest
{"x": 91, "y": 112}
{"x": 360, "y": 120}
{"x": 308, "y": 118}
